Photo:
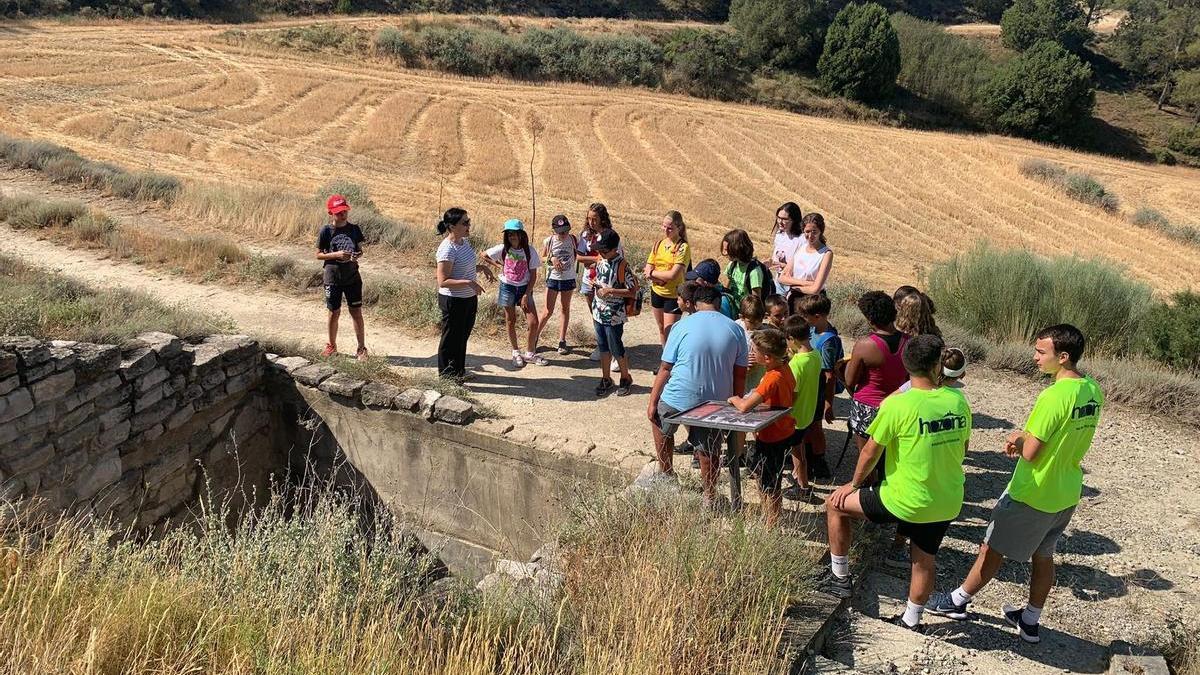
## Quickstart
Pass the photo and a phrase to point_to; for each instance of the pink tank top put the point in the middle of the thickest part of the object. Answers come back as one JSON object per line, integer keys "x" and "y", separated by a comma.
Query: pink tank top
{"x": 885, "y": 379}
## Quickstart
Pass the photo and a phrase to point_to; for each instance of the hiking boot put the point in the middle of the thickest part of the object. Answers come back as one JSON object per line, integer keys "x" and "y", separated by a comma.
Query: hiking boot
{"x": 626, "y": 385}
{"x": 518, "y": 360}
{"x": 536, "y": 359}
{"x": 838, "y": 587}
{"x": 605, "y": 387}
{"x": 330, "y": 350}
{"x": 942, "y": 604}
{"x": 1027, "y": 631}
{"x": 595, "y": 355}
{"x": 797, "y": 493}
{"x": 361, "y": 354}
{"x": 898, "y": 558}
{"x": 563, "y": 348}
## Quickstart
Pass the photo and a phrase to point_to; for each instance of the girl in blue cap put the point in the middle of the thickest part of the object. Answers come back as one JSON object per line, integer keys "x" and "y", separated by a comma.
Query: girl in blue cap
{"x": 518, "y": 265}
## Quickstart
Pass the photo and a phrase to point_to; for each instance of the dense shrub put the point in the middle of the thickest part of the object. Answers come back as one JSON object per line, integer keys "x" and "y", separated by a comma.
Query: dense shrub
{"x": 63, "y": 165}
{"x": 1007, "y": 296}
{"x": 1076, "y": 184}
{"x": 785, "y": 35}
{"x": 396, "y": 44}
{"x": 622, "y": 59}
{"x": 500, "y": 53}
{"x": 1043, "y": 93}
{"x": 861, "y": 57}
{"x": 990, "y": 10}
{"x": 947, "y": 70}
{"x": 705, "y": 63}
{"x": 1171, "y": 331}
{"x": 1147, "y": 217}
{"x": 559, "y": 50}
{"x": 450, "y": 48}
{"x": 1029, "y": 22}
{"x": 1185, "y": 141}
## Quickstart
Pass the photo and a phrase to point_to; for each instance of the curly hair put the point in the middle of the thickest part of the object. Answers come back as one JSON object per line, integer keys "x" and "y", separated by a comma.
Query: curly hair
{"x": 878, "y": 308}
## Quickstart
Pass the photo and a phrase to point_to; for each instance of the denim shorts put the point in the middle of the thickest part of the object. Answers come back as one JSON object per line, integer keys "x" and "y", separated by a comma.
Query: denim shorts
{"x": 510, "y": 296}
{"x": 560, "y": 285}
{"x": 608, "y": 338}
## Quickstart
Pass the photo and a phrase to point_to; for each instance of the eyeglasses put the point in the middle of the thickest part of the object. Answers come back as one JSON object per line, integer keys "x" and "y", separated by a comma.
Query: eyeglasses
{"x": 782, "y": 220}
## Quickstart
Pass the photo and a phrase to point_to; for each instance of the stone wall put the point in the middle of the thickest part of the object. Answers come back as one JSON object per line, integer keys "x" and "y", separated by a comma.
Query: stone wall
{"x": 125, "y": 430}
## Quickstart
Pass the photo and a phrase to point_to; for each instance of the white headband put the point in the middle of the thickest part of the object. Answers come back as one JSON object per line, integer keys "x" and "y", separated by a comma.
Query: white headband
{"x": 954, "y": 373}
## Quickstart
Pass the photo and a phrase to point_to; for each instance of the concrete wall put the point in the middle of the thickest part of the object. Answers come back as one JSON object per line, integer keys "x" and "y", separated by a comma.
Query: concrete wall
{"x": 124, "y": 431}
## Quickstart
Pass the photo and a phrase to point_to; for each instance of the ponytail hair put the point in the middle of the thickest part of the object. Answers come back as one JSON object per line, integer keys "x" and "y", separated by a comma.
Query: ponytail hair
{"x": 814, "y": 218}
{"x": 451, "y": 217}
{"x": 680, "y": 226}
{"x": 954, "y": 363}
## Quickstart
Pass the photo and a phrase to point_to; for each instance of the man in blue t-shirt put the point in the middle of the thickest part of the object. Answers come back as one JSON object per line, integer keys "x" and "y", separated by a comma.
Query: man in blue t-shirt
{"x": 339, "y": 246}
{"x": 705, "y": 359}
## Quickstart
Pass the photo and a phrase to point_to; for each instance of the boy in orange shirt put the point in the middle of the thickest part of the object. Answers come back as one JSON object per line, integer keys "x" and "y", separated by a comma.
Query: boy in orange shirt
{"x": 776, "y": 390}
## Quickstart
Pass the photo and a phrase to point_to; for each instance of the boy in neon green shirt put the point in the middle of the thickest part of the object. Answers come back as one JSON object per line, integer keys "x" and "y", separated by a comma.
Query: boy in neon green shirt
{"x": 806, "y": 370}
{"x": 1045, "y": 486}
{"x": 926, "y": 431}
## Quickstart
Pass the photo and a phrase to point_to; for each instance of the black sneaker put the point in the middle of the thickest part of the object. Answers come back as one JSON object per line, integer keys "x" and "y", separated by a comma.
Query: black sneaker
{"x": 1027, "y": 631}
{"x": 685, "y": 448}
{"x": 623, "y": 389}
{"x": 605, "y": 387}
{"x": 942, "y": 604}
{"x": 838, "y": 587}
{"x": 799, "y": 494}
{"x": 899, "y": 621}
{"x": 563, "y": 348}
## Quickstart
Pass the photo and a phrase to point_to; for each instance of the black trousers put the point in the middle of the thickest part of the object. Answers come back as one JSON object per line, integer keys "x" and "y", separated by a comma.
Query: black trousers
{"x": 458, "y": 320}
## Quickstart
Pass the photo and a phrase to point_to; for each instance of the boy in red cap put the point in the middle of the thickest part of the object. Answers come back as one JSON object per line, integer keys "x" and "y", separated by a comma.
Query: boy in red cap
{"x": 339, "y": 246}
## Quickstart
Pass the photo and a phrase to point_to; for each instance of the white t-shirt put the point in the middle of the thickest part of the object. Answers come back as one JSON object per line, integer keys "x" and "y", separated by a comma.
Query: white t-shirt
{"x": 565, "y": 250}
{"x": 463, "y": 260}
{"x": 785, "y": 248}
{"x": 805, "y": 264}
{"x": 516, "y": 268}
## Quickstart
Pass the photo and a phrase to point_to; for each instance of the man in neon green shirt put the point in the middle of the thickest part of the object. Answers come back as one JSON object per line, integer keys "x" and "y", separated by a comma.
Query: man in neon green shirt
{"x": 926, "y": 431}
{"x": 1046, "y": 484}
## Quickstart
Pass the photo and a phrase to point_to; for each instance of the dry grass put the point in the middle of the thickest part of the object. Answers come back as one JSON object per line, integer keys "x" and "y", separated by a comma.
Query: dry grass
{"x": 303, "y": 586}
{"x": 895, "y": 200}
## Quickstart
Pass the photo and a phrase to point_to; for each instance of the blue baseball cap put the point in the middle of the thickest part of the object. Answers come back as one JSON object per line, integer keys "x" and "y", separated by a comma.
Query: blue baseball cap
{"x": 513, "y": 225}
{"x": 707, "y": 271}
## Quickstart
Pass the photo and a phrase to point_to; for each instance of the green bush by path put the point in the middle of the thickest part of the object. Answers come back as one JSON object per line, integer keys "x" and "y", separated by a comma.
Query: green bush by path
{"x": 1171, "y": 332}
{"x": 861, "y": 57}
{"x": 1008, "y": 296}
{"x": 64, "y": 165}
{"x": 1043, "y": 93}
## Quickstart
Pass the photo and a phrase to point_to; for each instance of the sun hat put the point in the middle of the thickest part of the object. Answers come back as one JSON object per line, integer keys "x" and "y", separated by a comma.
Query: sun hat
{"x": 707, "y": 271}
{"x": 336, "y": 204}
{"x": 513, "y": 225}
{"x": 560, "y": 224}
{"x": 608, "y": 240}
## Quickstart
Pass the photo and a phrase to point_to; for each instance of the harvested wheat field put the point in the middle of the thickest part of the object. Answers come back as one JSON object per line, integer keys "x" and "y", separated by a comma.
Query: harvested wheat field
{"x": 177, "y": 98}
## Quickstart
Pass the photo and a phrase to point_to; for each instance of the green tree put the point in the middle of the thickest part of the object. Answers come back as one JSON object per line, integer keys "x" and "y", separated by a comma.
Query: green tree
{"x": 862, "y": 53}
{"x": 1042, "y": 93}
{"x": 1029, "y": 22}
{"x": 1187, "y": 93}
{"x": 712, "y": 10}
{"x": 785, "y": 34}
{"x": 705, "y": 63}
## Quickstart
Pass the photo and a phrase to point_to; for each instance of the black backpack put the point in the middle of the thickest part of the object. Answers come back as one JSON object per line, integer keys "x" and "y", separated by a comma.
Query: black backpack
{"x": 768, "y": 283}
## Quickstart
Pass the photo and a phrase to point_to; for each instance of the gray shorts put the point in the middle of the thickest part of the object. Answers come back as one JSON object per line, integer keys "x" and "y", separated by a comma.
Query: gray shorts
{"x": 700, "y": 438}
{"x": 1019, "y": 531}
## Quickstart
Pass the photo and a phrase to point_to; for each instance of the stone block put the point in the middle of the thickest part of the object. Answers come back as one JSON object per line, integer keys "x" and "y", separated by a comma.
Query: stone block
{"x": 30, "y": 352}
{"x": 288, "y": 364}
{"x": 453, "y": 410}
{"x": 229, "y": 348}
{"x": 181, "y": 417}
{"x": 36, "y": 455}
{"x": 137, "y": 362}
{"x": 181, "y": 363}
{"x": 410, "y": 400}
{"x": 193, "y": 392}
{"x": 106, "y": 470}
{"x": 8, "y": 364}
{"x": 152, "y": 379}
{"x": 90, "y": 392}
{"x": 75, "y": 417}
{"x": 204, "y": 358}
{"x": 342, "y": 384}
{"x": 168, "y": 465}
{"x": 12, "y": 488}
{"x": 379, "y": 394}
{"x": 248, "y": 421}
{"x": 152, "y": 415}
{"x": 165, "y": 345}
{"x": 217, "y": 426}
{"x": 110, "y": 418}
{"x": 178, "y": 382}
{"x": 63, "y": 357}
{"x": 313, "y": 375}
{"x": 39, "y": 372}
{"x": 78, "y": 437}
{"x": 38, "y": 418}
{"x": 9, "y": 383}
{"x": 111, "y": 437}
{"x": 212, "y": 379}
{"x": 53, "y": 387}
{"x": 428, "y": 398}
{"x": 151, "y": 434}
{"x": 15, "y": 404}
{"x": 115, "y": 398}
{"x": 239, "y": 367}
{"x": 237, "y": 385}
{"x": 147, "y": 399}
{"x": 95, "y": 361}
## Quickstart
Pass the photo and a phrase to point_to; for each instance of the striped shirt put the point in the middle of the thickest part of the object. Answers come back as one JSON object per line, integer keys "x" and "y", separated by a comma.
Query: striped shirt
{"x": 463, "y": 260}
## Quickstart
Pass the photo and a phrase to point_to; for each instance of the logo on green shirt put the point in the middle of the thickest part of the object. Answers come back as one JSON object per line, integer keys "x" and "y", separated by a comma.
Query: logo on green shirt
{"x": 1090, "y": 409}
{"x": 947, "y": 422}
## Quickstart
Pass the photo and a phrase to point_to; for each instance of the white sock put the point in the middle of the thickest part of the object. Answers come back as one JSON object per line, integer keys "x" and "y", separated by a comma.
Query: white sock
{"x": 516, "y": 352}
{"x": 1031, "y": 615}
{"x": 960, "y": 597}
{"x": 912, "y": 613}
{"x": 840, "y": 564}
{"x": 530, "y": 355}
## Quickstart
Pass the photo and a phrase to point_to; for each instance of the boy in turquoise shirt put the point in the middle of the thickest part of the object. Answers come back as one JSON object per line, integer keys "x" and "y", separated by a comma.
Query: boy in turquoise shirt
{"x": 1045, "y": 486}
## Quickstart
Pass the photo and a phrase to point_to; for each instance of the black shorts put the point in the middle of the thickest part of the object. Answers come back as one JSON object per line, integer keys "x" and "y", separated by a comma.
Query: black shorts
{"x": 668, "y": 305}
{"x": 772, "y": 455}
{"x": 926, "y": 536}
{"x": 334, "y": 293}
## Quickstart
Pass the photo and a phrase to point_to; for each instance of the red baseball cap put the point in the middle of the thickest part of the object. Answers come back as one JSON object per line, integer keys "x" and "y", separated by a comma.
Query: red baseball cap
{"x": 336, "y": 204}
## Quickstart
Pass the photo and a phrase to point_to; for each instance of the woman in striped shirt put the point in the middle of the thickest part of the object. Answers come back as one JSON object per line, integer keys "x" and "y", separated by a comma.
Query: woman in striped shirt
{"x": 458, "y": 291}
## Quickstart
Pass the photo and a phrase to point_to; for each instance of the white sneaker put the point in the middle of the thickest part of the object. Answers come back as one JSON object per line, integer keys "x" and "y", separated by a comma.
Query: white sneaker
{"x": 595, "y": 354}
{"x": 536, "y": 359}
{"x": 518, "y": 361}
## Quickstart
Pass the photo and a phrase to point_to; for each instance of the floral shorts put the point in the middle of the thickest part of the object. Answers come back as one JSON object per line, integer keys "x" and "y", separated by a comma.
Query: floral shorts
{"x": 861, "y": 416}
